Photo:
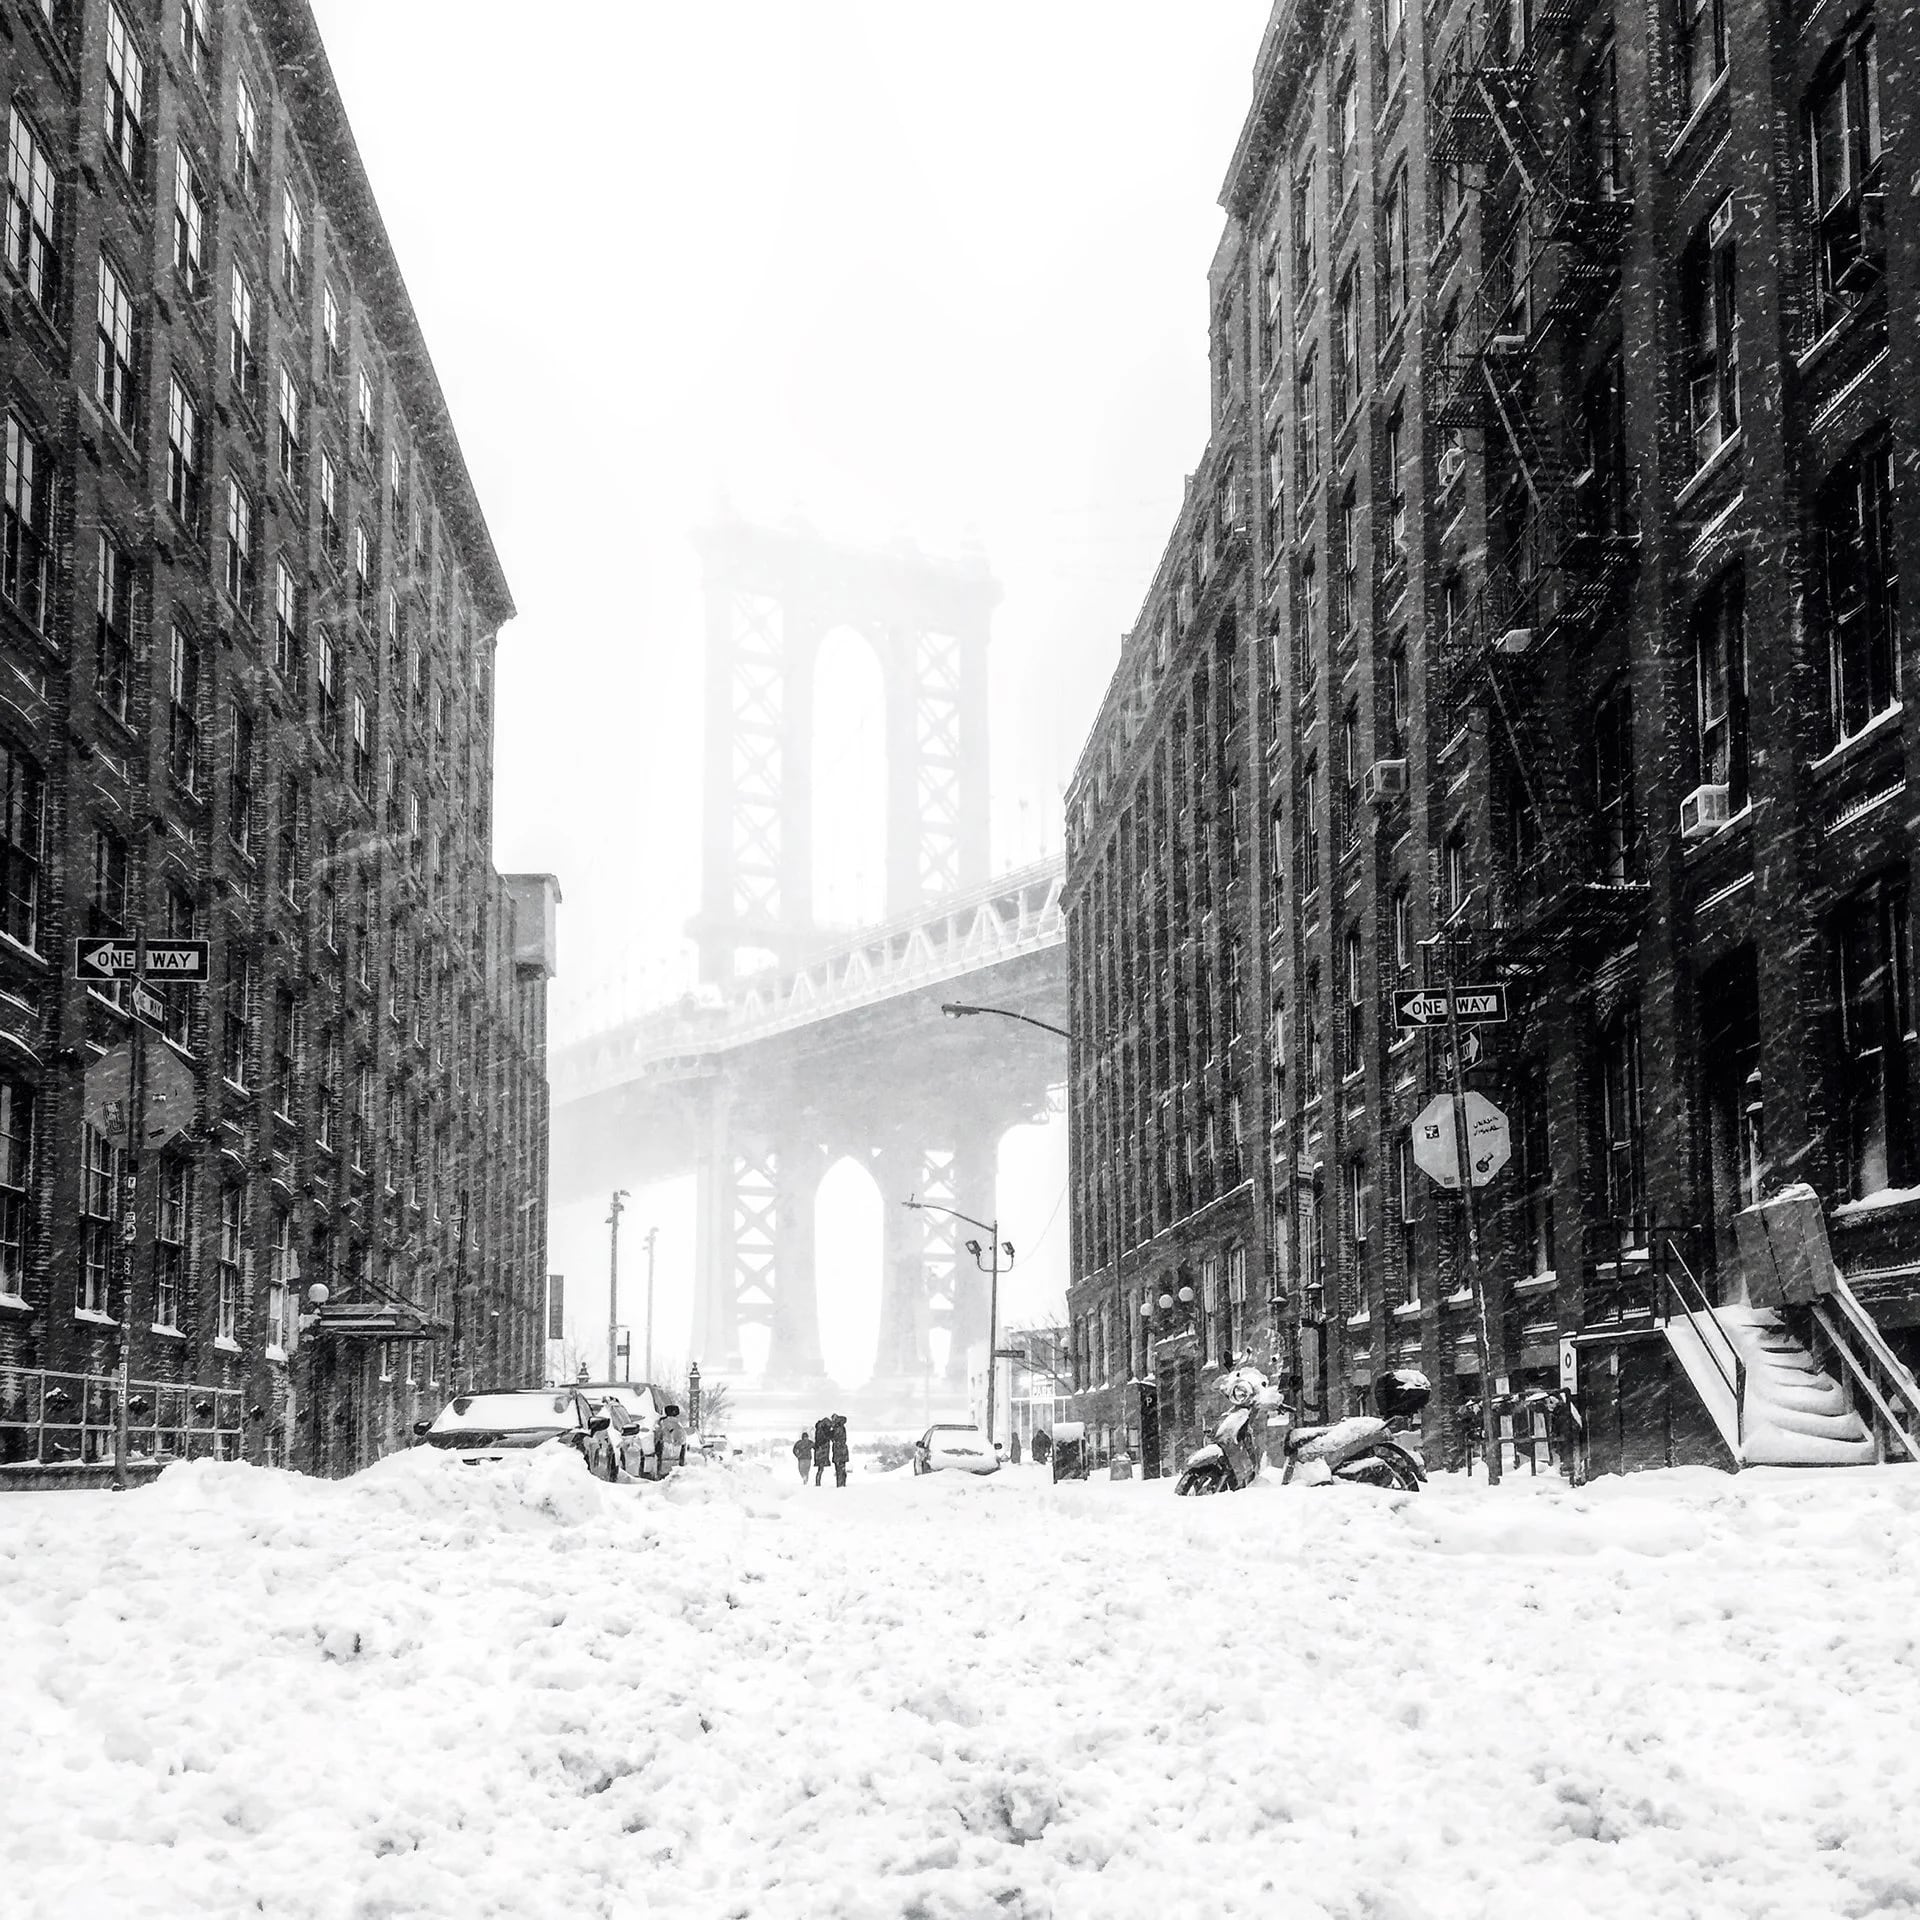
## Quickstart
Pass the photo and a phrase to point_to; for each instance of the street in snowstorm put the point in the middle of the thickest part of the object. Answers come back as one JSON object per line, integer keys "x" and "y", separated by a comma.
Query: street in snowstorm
{"x": 431, "y": 1690}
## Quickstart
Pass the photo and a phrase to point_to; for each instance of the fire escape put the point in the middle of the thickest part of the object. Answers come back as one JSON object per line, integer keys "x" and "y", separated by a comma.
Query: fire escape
{"x": 1555, "y": 208}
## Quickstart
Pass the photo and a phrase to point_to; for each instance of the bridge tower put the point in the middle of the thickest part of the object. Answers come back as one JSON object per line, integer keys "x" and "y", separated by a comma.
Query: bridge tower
{"x": 772, "y": 596}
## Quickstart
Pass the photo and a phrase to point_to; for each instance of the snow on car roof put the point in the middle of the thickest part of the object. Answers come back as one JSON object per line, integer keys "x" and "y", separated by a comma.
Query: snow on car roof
{"x": 538, "y": 1407}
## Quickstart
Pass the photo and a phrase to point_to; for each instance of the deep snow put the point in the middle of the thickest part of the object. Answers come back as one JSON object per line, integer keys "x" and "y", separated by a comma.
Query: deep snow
{"x": 441, "y": 1690}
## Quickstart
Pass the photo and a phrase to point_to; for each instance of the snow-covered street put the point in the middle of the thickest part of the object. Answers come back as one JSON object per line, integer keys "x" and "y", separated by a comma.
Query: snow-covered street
{"x": 434, "y": 1690}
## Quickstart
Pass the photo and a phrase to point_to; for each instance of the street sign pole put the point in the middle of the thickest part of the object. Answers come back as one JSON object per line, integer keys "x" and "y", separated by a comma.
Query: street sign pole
{"x": 1475, "y": 1273}
{"x": 130, "y": 1203}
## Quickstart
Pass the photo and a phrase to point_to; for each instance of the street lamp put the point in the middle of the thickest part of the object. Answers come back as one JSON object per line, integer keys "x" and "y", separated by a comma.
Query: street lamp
{"x": 613, "y": 1279}
{"x": 987, "y": 1259}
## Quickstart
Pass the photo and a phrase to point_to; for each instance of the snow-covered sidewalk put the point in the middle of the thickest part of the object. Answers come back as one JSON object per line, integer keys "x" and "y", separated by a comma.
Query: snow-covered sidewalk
{"x": 437, "y": 1690}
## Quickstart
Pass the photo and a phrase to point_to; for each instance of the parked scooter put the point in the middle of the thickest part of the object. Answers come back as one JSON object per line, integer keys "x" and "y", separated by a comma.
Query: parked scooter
{"x": 1364, "y": 1448}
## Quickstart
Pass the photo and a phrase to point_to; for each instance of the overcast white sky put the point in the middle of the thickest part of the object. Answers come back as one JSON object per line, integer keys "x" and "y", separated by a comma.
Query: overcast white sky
{"x": 903, "y": 267}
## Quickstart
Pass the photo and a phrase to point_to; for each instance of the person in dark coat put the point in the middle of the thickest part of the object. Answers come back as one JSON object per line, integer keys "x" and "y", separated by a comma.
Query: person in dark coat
{"x": 1042, "y": 1446}
{"x": 803, "y": 1452}
{"x": 822, "y": 1445}
{"x": 1013, "y": 1450}
{"x": 840, "y": 1455}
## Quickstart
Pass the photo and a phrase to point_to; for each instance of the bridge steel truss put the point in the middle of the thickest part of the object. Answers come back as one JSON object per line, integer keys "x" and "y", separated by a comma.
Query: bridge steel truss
{"x": 772, "y": 597}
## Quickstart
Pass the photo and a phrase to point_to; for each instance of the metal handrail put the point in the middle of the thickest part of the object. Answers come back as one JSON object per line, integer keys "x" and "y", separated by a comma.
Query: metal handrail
{"x": 1737, "y": 1384}
{"x": 1859, "y": 1324}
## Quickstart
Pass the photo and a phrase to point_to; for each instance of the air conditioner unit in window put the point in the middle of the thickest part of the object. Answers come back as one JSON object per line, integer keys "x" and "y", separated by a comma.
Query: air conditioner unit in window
{"x": 1720, "y": 222}
{"x": 1386, "y": 780}
{"x": 1704, "y": 811}
{"x": 1453, "y": 463}
{"x": 1516, "y": 640}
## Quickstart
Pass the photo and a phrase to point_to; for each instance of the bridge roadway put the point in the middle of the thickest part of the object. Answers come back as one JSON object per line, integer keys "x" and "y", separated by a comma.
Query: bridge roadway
{"x": 759, "y": 1088}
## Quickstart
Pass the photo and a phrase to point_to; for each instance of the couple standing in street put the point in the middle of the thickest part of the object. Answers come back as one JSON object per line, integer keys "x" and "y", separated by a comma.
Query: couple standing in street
{"x": 827, "y": 1441}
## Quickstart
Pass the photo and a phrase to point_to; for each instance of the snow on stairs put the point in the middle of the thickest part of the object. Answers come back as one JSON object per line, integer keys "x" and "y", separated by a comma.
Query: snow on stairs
{"x": 1790, "y": 1412}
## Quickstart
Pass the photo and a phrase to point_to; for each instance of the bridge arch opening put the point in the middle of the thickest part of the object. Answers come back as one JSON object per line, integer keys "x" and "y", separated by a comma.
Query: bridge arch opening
{"x": 849, "y": 1262}
{"x": 849, "y": 787}
{"x": 1030, "y": 1186}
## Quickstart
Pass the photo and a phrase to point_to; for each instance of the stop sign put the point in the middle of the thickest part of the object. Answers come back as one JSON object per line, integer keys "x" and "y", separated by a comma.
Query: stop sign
{"x": 1436, "y": 1144}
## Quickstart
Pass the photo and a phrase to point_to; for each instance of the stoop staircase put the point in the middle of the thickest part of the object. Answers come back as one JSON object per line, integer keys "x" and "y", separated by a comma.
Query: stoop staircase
{"x": 1844, "y": 1400}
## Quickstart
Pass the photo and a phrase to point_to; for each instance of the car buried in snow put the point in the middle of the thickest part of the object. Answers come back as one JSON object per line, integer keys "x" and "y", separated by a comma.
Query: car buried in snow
{"x": 494, "y": 1422}
{"x": 955, "y": 1449}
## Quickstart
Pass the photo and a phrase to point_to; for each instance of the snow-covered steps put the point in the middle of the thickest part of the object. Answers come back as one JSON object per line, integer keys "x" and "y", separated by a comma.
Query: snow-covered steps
{"x": 1773, "y": 1403}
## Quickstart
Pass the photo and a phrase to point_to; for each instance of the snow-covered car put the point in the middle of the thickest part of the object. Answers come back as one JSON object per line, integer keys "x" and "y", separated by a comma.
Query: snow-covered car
{"x": 497, "y": 1421}
{"x": 633, "y": 1411}
{"x": 958, "y": 1449}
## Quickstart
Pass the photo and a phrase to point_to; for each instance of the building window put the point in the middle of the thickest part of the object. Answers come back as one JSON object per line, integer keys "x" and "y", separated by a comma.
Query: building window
{"x": 286, "y": 1032}
{"x": 240, "y": 779}
{"x": 238, "y": 574}
{"x": 1346, "y": 132}
{"x": 241, "y": 360}
{"x": 1346, "y": 559}
{"x": 1351, "y": 772}
{"x": 1844, "y": 176}
{"x": 1712, "y": 338}
{"x": 1310, "y": 1061}
{"x": 1348, "y": 380}
{"x": 362, "y": 1114}
{"x": 174, "y": 1234}
{"x": 183, "y": 923}
{"x": 189, "y": 224}
{"x": 16, "y": 1184}
{"x": 363, "y": 574}
{"x": 289, "y": 862}
{"x": 363, "y": 408}
{"x": 327, "y": 688}
{"x": 1306, "y": 426}
{"x": 230, "y": 1263}
{"x": 1276, "y": 492}
{"x": 1456, "y": 884}
{"x": 113, "y": 363}
{"x": 196, "y": 41}
{"x": 1394, "y": 453}
{"x": 286, "y": 619}
{"x": 1302, "y": 220}
{"x": 33, "y": 211}
{"x": 1616, "y": 828}
{"x": 183, "y": 455}
{"x": 293, "y": 247}
{"x": 289, "y": 425}
{"x": 1394, "y": 230}
{"x": 246, "y": 140}
{"x": 113, "y": 630}
{"x": 1535, "y": 1172}
{"x": 1876, "y": 1015}
{"x": 126, "y": 97}
{"x": 1306, "y": 620}
{"x": 1702, "y": 49}
{"x": 329, "y": 505}
{"x": 328, "y": 1090}
{"x": 1720, "y": 687}
{"x": 362, "y": 748}
{"x": 22, "y": 846}
{"x": 99, "y": 1209}
{"x": 1406, "y": 1184}
{"x": 282, "y": 1273}
{"x": 1861, "y": 595}
{"x": 1310, "y": 821}
{"x": 1402, "y": 918}
{"x": 26, "y": 525}
{"x": 1355, "y": 1053}
{"x": 330, "y": 332}
{"x": 1399, "y": 694}
{"x": 237, "y": 1017}
{"x": 1622, "y": 1139}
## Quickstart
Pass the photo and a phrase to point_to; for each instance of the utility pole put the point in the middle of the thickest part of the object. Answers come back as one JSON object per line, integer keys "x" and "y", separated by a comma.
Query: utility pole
{"x": 653, "y": 1233}
{"x": 613, "y": 1280}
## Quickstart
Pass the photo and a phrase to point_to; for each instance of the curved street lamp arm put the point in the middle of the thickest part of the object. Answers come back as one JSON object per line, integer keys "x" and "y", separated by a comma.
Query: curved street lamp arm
{"x": 959, "y": 1010}
{"x": 930, "y": 1206}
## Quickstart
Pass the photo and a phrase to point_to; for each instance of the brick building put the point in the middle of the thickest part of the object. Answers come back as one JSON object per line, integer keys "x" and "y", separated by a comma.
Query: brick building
{"x": 1556, "y": 434}
{"x": 248, "y": 609}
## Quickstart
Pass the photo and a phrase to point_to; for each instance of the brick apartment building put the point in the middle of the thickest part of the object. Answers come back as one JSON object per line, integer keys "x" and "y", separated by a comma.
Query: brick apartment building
{"x": 248, "y": 609}
{"x": 1540, "y": 579}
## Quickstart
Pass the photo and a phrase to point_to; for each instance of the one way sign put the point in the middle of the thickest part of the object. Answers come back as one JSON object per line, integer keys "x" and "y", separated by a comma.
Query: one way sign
{"x": 118, "y": 959}
{"x": 1472, "y": 1006}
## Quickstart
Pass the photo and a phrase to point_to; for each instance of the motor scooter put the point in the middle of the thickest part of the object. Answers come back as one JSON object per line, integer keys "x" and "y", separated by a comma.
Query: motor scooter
{"x": 1364, "y": 1448}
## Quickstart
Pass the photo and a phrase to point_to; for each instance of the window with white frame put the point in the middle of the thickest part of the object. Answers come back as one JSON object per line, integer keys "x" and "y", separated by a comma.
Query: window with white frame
{"x": 288, "y": 409}
{"x": 1407, "y": 1199}
{"x": 22, "y": 845}
{"x": 1720, "y": 686}
{"x": 113, "y": 361}
{"x": 329, "y": 504}
{"x": 173, "y": 1236}
{"x": 196, "y": 38}
{"x": 1860, "y": 597}
{"x": 363, "y": 410}
{"x": 1306, "y": 427}
{"x": 237, "y": 576}
{"x": 16, "y": 1184}
{"x": 1349, "y": 381}
{"x": 240, "y": 778}
{"x": 1711, "y": 318}
{"x": 1237, "y": 1330}
{"x": 241, "y": 361}
{"x": 190, "y": 222}
{"x": 282, "y": 1273}
{"x": 33, "y": 214}
{"x": 1845, "y": 185}
{"x": 330, "y": 331}
{"x": 231, "y": 1263}
{"x": 183, "y": 709}
{"x": 99, "y": 1210}
{"x": 246, "y": 139}
{"x": 293, "y": 246}
{"x": 182, "y": 923}
{"x": 26, "y": 524}
{"x": 236, "y": 1018}
{"x": 1873, "y": 954}
{"x": 184, "y": 488}
{"x": 1702, "y": 50}
{"x": 286, "y": 618}
{"x": 362, "y": 764}
{"x": 125, "y": 104}
{"x": 1402, "y": 919}
{"x": 362, "y": 573}
{"x": 327, "y": 687}
{"x": 113, "y": 628}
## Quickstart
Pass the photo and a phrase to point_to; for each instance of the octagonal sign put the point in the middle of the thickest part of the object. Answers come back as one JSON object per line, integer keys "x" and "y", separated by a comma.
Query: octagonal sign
{"x": 1436, "y": 1145}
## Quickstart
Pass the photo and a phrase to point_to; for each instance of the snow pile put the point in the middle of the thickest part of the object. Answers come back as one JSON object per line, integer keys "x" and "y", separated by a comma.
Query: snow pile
{"x": 513, "y": 1691}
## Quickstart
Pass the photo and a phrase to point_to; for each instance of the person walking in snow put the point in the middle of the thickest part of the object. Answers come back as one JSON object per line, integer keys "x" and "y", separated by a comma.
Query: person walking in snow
{"x": 1013, "y": 1450}
{"x": 840, "y": 1450}
{"x": 803, "y": 1452}
{"x": 822, "y": 1445}
{"x": 1042, "y": 1446}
